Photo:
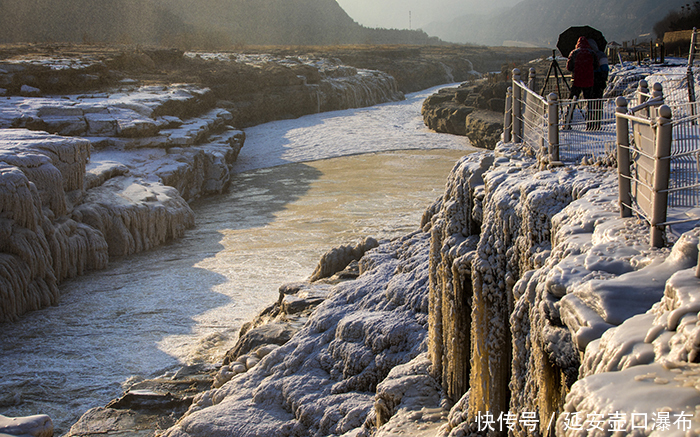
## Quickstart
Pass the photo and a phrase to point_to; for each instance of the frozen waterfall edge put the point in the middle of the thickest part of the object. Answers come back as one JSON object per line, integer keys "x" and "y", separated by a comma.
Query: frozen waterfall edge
{"x": 553, "y": 278}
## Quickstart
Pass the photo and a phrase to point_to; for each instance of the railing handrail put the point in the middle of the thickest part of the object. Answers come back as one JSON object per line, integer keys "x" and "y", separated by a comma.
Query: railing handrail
{"x": 536, "y": 95}
{"x": 636, "y": 118}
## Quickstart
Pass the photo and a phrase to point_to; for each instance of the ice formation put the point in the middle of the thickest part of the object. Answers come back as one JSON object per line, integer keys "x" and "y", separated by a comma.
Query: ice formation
{"x": 555, "y": 268}
{"x": 39, "y": 425}
{"x": 40, "y": 175}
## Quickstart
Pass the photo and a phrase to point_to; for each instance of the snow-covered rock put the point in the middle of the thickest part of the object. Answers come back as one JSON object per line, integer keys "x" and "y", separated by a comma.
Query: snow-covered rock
{"x": 39, "y": 425}
{"x": 41, "y": 244}
{"x": 323, "y": 380}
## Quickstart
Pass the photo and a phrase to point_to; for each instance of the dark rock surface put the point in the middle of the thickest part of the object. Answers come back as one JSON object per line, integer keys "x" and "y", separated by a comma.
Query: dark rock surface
{"x": 484, "y": 128}
{"x": 147, "y": 407}
{"x": 474, "y": 109}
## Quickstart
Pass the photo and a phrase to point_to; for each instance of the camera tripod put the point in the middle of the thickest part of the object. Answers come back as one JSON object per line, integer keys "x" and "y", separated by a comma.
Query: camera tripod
{"x": 555, "y": 69}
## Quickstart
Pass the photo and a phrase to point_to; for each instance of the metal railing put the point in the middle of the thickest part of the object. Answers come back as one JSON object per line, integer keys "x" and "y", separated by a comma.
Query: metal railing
{"x": 587, "y": 129}
{"x": 685, "y": 156}
{"x": 659, "y": 162}
{"x": 656, "y": 146}
{"x": 565, "y": 130}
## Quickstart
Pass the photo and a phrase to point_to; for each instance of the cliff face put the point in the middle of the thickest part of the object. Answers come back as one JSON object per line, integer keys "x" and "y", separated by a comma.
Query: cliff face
{"x": 520, "y": 303}
{"x": 89, "y": 176}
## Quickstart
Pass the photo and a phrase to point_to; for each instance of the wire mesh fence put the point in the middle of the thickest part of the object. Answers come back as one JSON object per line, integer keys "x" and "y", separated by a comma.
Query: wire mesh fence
{"x": 684, "y": 186}
{"x": 534, "y": 120}
{"x": 675, "y": 85}
{"x": 586, "y": 129}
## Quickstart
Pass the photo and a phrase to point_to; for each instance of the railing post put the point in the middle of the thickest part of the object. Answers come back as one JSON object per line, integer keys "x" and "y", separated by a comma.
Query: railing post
{"x": 689, "y": 72}
{"x": 657, "y": 93}
{"x": 532, "y": 79}
{"x": 553, "y": 120}
{"x": 623, "y": 157}
{"x": 517, "y": 107}
{"x": 508, "y": 116}
{"x": 662, "y": 172}
{"x": 642, "y": 92}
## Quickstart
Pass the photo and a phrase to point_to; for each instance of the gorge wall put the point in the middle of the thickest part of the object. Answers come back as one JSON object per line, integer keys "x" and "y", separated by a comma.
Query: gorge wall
{"x": 533, "y": 273}
{"x": 109, "y": 169}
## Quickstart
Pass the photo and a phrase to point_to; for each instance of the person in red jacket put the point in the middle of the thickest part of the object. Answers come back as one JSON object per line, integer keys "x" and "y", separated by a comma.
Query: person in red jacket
{"x": 582, "y": 62}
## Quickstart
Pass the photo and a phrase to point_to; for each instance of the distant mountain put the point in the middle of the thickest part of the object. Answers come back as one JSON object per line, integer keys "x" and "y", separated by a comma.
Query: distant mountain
{"x": 539, "y": 22}
{"x": 124, "y": 21}
{"x": 191, "y": 24}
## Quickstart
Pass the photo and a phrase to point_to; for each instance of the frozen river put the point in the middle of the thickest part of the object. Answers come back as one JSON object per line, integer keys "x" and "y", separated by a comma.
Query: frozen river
{"x": 301, "y": 187}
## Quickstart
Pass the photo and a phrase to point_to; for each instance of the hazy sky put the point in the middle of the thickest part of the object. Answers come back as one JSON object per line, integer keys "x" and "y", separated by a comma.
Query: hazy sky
{"x": 395, "y": 13}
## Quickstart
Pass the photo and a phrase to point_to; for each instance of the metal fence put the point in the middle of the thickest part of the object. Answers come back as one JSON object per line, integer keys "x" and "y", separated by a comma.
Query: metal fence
{"x": 571, "y": 131}
{"x": 676, "y": 89}
{"x": 657, "y": 148}
{"x": 587, "y": 130}
{"x": 685, "y": 156}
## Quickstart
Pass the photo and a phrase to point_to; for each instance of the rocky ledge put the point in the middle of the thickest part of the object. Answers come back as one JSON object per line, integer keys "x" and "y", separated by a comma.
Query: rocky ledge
{"x": 107, "y": 167}
{"x": 474, "y": 109}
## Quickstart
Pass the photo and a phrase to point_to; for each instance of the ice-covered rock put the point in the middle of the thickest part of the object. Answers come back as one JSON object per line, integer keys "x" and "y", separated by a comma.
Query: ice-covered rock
{"x": 41, "y": 244}
{"x": 454, "y": 222}
{"x": 127, "y": 114}
{"x": 134, "y": 215}
{"x": 409, "y": 396}
{"x": 35, "y": 426}
{"x": 529, "y": 269}
{"x": 338, "y": 258}
{"x": 322, "y": 381}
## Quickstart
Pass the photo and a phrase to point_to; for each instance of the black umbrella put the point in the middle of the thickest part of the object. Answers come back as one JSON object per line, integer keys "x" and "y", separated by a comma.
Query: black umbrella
{"x": 567, "y": 39}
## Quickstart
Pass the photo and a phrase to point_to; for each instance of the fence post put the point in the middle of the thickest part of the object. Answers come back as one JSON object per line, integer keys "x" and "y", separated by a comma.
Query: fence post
{"x": 662, "y": 172}
{"x": 642, "y": 92}
{"x": 508, "y": 116}
{"x": 532, "y": 79}
{"x": 553, "y": 120}
{"x": 517, "y": 107}
{"x": 658, "y": 92}
{"x": 689, "y": 72}
{"x": 623, "y": 157}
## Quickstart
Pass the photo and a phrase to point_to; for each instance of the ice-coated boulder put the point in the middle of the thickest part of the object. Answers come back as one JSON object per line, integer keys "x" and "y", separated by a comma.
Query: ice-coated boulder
{"x": 338, "y": 258}
{"x": 35, "y": 426}
{"x": 134, "y": 215}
